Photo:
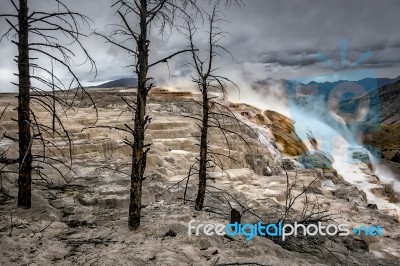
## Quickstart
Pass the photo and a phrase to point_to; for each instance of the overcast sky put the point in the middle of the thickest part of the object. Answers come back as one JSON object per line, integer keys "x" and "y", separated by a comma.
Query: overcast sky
{"x": 268, "y": 39}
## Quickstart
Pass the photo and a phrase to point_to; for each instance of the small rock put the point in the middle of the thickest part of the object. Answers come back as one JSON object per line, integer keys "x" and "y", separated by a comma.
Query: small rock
{"x": 171, "y": 233}
{"x": 328, "y": 185}
{"x": 333, "y": 176}
{"x": 169, "y": 160}
{"x": 76, "y": 223}
{"x": 61, "y": 203}
{"x": 267, "y": 171}
{"x": 86, "y": 200}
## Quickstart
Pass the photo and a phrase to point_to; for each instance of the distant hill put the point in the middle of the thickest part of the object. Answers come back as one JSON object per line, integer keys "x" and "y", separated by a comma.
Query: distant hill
{"x": 367, "y": 83}
{"x": 387, "y": 138}
{"x": 386, "y": 100}
{"x": 396, "y": 79}
{"x": 324, "y": 88}
{"x": 389, "y": 101}
{"x": 125, "y": 82}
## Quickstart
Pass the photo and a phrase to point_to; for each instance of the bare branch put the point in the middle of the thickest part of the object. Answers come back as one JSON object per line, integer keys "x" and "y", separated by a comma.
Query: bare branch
{"x": 165, "y": 59}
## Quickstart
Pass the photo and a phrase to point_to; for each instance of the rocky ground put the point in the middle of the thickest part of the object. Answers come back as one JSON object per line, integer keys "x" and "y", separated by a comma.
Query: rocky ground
{"x": 387, "y": 140}
{"x": 84, "y": 222}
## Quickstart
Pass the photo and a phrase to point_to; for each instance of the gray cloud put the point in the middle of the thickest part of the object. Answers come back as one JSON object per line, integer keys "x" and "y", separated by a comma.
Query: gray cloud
{"x": 277, "y": 39}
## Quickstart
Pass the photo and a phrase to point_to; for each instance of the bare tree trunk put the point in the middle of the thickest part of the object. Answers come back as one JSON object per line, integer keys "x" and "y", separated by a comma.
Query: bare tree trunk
{"x": 147, "y": 15}
{"x": 206, "y": 79}
{"x": 139, "y": 154}
{"x": 203, "y": 152}
{"x": 53, "y": 124}
{"x": 24, "y": 122}
{"x": 235, "y": 216}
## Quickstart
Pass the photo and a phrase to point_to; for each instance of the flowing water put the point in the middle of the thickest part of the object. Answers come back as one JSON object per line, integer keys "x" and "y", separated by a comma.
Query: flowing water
{"x": 354, "y": 162}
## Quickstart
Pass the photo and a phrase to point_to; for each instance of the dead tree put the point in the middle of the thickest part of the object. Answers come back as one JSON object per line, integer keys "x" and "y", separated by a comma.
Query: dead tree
{"x": 138, "y": 19}
{"x": 213, "y": 112}
{"x": 309, "y": 210}
{"x": 42, "y": 34}
{"x": 312, "y": 211}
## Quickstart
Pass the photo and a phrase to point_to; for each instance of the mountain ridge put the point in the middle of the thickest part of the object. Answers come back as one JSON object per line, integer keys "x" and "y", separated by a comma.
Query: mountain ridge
{"x": 123, "y": 82}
